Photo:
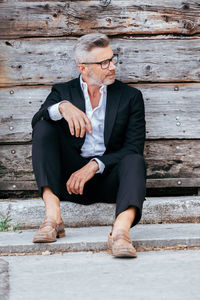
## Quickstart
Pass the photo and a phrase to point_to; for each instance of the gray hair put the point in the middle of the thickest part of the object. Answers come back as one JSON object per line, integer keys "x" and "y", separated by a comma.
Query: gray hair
{"x": 86, "y": 43}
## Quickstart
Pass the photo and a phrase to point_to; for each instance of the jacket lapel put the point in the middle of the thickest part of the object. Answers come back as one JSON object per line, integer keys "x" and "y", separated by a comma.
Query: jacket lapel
{"x": 77, "y": 98}
{"x": 77, "y": 95}
{"x": 112, "y": 103}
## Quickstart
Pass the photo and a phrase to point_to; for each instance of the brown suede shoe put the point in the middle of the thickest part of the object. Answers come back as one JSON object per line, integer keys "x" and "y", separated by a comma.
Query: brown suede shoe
{"x": 121, "y": 250}
{"x": 49, "y": 231}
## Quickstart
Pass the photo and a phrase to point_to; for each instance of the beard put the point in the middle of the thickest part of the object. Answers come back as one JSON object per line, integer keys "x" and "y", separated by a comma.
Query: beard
{"x": 107, "y": 80}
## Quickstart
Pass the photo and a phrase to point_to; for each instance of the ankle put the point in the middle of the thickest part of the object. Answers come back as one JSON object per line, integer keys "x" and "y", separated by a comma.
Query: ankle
{"x": 58, "y": 220}
{"x": 124, "y": 220}
{"x": 117, "y": 227}
{"x": 55, "y": 214}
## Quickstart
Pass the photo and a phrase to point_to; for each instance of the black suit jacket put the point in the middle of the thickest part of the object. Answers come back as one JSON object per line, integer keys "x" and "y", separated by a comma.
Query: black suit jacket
{"x": 124, "y": 128}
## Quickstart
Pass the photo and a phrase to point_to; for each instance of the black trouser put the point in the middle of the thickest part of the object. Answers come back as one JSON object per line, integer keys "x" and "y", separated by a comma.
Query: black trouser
{"x": 55, "y": 158}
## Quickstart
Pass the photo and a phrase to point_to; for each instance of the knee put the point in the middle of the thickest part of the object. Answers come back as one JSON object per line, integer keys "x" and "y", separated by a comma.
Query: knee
{"x": 133, "y": 164}
{"x": 44, "y": 131}
{"x": 132, "y": 159}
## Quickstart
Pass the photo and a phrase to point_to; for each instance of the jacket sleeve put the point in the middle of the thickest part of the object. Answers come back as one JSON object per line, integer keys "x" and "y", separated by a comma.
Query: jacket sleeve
{"x": 134, "y": 134}
{"x": 43, "y": 114}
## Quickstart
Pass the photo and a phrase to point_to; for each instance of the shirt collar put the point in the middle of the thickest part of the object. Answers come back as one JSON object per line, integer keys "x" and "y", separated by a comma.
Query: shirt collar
{"x": 84, "y": 86}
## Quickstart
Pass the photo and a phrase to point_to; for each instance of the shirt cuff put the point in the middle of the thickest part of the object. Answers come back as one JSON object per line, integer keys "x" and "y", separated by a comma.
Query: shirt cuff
{"x": 54, "y": 112}
{"x": 101, "y": 165}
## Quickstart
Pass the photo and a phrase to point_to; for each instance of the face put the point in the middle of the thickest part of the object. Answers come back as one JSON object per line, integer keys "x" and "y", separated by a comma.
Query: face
{"x": 94, "y": 74}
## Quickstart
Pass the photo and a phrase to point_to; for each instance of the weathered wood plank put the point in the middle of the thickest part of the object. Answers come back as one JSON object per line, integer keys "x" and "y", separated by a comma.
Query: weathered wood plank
{"x": 46, "y": 61}
{"x": 169, "y": 163}
{"x": 172, "y": 111}
{"x": 151, "y": 183}
{"x": 173, "y": 159}
{"x": 18, "y": 106}
{"x": 59, "y": 18}
{"x": 16, "y": 163}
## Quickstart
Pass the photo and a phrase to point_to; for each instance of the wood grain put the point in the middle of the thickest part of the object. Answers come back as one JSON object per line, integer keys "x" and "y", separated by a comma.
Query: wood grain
{"x": 151, "y": 183}
{"x": 158, "y": 46}
{"x": 169, "y": 163}
{"x": 61, "y": 18}
{"x": 172, "y": 111}
{"x": 46, "y": 61}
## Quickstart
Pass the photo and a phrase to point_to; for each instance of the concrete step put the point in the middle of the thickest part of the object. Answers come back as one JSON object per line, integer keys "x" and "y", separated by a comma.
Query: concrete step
{"x": 144, "y": 237}
{"x": 30, "y": 213}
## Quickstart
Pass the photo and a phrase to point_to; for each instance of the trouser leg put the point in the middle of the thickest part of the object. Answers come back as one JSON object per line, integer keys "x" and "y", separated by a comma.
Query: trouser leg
{"x": 132, "y": 185}
{"x": 125, "y": 185}
{"x": 54, "y": 157}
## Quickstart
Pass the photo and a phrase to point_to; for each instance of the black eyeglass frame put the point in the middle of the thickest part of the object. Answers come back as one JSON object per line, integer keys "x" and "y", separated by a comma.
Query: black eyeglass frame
{"x": 100, "y": 62}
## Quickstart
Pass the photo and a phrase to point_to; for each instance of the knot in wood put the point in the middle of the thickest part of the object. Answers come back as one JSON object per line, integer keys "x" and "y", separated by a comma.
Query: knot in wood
{"x": 8, "y": 43}
{"x": 109, "y": 20}
{"x": 189, "y": 25}
{"x": 104, "y": 2}
{"x": 148, "y": 68}
{"x": 166, "y": 18}
{"x": 186, "y": 6}
{"x": 46, "y": 7}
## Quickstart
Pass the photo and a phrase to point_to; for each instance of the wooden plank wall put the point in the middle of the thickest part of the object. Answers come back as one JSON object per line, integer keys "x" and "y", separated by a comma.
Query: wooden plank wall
{"x": 158, "y": 43}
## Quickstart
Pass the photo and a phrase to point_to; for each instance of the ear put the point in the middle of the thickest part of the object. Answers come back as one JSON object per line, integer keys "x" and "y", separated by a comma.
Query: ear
{"x": 82, "y": 68}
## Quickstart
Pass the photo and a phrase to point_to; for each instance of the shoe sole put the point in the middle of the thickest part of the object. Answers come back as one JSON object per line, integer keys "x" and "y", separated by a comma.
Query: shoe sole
{"x": 124, "y": 254}
{"x": 43, "y": 240}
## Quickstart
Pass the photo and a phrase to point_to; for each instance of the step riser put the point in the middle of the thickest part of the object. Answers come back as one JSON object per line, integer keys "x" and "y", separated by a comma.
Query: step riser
{"x": 144, "y": 237}
{"x": 30, "y": 213}
{"x": 96, "y": 247}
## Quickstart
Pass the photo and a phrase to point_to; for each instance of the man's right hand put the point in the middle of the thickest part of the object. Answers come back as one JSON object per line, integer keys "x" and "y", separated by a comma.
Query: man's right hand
{"x": 77, "y": 120}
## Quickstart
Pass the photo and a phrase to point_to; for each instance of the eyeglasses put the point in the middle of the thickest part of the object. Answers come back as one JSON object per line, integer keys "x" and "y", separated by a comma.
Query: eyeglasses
{"x": 104, "y": 63}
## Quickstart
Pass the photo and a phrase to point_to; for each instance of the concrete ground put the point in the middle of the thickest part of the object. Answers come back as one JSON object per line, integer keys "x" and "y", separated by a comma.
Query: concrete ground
{"x": 171, "y": 274}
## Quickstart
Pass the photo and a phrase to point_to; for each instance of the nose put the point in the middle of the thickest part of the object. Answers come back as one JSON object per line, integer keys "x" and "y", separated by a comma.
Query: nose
{"x": 112, "y": 66}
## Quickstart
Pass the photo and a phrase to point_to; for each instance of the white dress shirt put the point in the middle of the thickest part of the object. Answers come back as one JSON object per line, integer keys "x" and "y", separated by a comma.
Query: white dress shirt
{"x": 94, "y": 142}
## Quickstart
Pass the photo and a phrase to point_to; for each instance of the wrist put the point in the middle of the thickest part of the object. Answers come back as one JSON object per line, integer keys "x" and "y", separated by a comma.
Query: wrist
{"x": 94, "y": 165}
{"x": 62, "y": 106}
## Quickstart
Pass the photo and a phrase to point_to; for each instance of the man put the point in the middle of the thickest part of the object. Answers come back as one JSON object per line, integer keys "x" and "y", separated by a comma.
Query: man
{"x": 88, "y": 140}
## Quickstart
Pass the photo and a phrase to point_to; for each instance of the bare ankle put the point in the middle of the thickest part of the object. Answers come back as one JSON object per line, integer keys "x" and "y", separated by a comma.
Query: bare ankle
{"x": 120, "y": 227}
{"x": 52, "y": 204}
{"x": 54, "y": 213}
{"x": 124, "y": 220}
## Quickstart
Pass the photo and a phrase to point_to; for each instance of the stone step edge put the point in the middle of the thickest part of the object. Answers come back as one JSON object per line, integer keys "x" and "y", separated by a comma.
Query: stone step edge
{"x": 100, "y": 247}
{"x": 30, "y": 213}
{"x": 144, "y": 238}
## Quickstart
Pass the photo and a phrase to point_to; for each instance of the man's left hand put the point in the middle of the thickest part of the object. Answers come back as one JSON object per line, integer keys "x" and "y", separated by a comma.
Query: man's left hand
{"x": 77, "y": 180}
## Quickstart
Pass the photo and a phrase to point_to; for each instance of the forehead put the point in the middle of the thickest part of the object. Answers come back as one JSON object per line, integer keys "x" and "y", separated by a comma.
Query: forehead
{"x": 100, "y": 54}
